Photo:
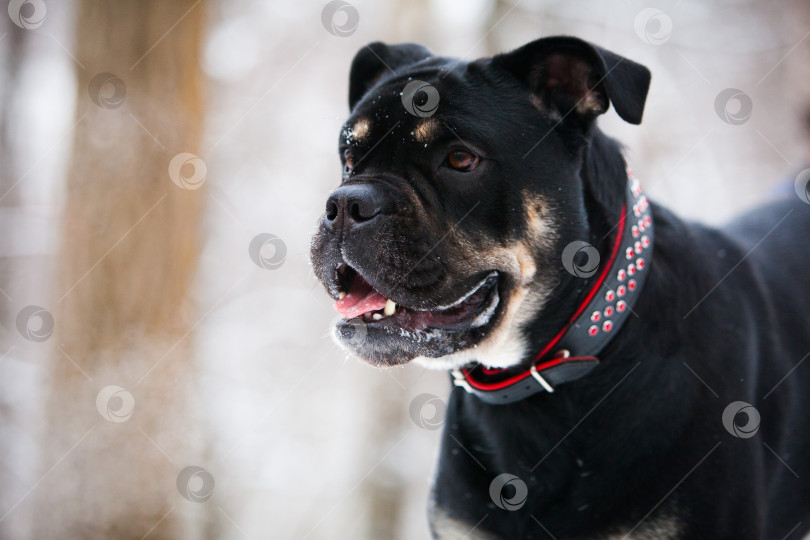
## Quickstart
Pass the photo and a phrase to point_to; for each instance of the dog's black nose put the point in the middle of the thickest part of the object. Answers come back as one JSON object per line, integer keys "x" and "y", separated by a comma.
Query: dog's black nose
{"x": 358, "y": 203}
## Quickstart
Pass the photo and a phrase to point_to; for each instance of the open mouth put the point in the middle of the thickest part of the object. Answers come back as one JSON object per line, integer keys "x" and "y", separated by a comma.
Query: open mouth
{"x": 359, "y": 299}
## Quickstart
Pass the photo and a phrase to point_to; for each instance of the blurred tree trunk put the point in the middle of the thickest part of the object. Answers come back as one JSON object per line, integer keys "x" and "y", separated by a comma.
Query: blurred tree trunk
{"x": 130, "y": 241}
{"x": 11, "y": 48}
{"x": 12, "y": 40}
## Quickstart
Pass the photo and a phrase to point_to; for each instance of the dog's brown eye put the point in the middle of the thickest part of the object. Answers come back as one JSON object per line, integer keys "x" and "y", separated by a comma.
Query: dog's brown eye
{"x": 348, "y": 161}
{"x": 462, "y": 160}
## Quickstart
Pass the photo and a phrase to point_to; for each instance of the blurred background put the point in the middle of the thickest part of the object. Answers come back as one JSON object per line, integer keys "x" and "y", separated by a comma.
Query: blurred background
{"x": 166, "y": 369}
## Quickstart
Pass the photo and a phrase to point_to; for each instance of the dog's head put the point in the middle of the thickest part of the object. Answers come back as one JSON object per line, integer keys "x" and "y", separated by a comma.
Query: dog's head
{"x": 462, "y": 184}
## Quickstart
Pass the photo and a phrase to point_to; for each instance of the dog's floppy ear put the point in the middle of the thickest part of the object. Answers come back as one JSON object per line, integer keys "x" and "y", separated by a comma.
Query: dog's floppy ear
{"x": 372, "y": 61}
{"x": 571, "y": 76}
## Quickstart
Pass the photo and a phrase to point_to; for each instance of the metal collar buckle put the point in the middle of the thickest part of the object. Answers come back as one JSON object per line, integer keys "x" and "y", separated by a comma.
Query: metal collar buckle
{"x": 460, "y": 380}
{"x": 562, "y": 353}
{"x": 544, "y": 383}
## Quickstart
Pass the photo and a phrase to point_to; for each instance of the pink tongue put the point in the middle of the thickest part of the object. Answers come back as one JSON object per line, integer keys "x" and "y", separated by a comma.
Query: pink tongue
{"x": 360, "y": 299}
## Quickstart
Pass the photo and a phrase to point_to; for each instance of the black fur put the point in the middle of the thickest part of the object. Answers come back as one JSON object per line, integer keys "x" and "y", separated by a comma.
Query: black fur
{"x": 723, "y": 316}
{"x": 372, "y": 61}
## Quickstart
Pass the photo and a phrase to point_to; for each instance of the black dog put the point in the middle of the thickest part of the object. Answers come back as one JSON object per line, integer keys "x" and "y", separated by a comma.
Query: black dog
{"x": 619, "y": 372}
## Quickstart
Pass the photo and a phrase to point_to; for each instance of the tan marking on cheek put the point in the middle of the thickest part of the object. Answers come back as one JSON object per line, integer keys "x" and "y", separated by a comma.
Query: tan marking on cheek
{"x": 425, "y": 131}
{"x": 523, "y": 255}
{"x": 360, "y": 129}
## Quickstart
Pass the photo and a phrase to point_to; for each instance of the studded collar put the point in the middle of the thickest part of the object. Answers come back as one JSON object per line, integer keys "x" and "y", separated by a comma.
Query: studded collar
{"x": 572, "y": 353}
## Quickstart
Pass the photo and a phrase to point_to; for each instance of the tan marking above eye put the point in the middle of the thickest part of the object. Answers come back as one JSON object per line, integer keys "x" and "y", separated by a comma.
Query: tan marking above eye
{"x": 426, "y": 130}
{"x": 360, "y": 129}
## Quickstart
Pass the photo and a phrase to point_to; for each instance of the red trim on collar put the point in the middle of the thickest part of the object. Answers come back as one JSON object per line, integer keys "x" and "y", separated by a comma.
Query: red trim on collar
{"x": 517, "y": 378}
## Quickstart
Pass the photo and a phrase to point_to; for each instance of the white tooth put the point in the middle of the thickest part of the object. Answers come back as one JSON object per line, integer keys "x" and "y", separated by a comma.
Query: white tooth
{"x": 390, "y": 307}
{"x": 376, "y": 316}
{"x": 341, "y": 295}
